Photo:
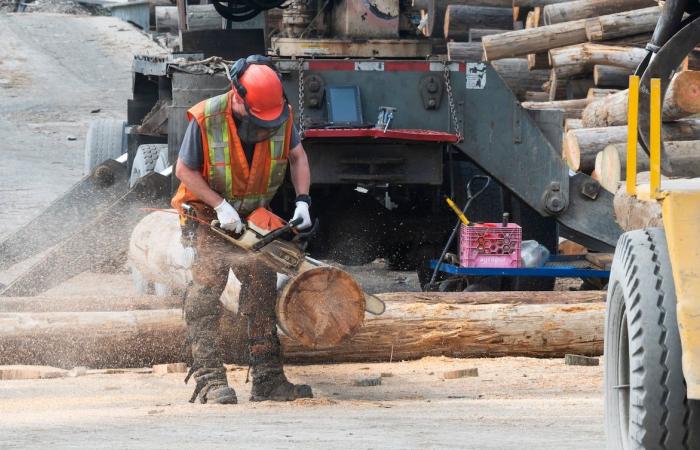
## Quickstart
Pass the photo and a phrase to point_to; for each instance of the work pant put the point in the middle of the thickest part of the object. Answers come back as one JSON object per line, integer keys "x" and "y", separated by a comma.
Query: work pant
{"x": 203, "y": 310}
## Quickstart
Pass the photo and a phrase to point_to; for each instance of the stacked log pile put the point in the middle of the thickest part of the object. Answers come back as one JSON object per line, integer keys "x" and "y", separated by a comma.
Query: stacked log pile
{"x": 576, "y": 56}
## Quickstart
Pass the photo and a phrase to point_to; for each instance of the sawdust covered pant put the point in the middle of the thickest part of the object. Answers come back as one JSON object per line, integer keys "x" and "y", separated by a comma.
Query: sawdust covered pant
{"x": 203, "y": 310}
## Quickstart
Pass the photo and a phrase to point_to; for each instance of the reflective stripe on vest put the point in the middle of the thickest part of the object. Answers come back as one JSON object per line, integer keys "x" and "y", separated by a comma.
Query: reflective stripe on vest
{"x": 221, "y": 171}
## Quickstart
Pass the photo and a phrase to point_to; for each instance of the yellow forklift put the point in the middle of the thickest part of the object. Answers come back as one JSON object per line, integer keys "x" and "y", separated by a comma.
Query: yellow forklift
{"x": 652, "y": 356}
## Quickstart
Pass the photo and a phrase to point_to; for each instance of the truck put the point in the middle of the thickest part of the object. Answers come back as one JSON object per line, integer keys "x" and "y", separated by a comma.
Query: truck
{"x": 390, "y": 130}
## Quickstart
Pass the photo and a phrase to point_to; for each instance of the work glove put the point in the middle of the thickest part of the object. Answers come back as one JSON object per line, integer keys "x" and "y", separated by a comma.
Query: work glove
{"x": 302, "y": 211}
{"x": 229, "y": 219}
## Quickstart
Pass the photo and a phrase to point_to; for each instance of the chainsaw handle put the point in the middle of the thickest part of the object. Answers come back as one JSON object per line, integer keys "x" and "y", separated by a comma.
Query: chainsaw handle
{"x": 216, "y": 224}
{"x": 271, "y": 236}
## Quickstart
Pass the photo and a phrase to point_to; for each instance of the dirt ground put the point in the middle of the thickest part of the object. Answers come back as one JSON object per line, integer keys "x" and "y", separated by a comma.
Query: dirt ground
{"x": 55, "y": 70}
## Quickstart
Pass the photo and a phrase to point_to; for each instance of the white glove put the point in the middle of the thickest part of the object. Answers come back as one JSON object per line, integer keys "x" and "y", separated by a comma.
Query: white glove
{"x": 302, "y": 211}
{"x": 228, "y": 217}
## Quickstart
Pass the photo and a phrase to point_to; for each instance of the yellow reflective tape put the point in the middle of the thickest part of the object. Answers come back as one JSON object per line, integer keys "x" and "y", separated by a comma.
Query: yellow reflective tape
{"x": 655, "y": 138}
{"x": 632, "y": 116}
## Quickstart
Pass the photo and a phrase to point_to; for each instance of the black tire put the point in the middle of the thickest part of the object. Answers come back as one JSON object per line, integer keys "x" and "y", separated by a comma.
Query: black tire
{"x": 148, "y": 158}
{"x": 105, "y": 140}
{"x": 645, "y": 394}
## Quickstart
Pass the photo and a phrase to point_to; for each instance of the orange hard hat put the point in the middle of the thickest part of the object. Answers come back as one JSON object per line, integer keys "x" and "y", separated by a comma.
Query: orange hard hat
{"x": 264, "y": 97}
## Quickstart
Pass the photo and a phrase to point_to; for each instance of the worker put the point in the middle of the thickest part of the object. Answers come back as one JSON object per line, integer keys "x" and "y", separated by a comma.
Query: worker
{"x": 232, "y": 160}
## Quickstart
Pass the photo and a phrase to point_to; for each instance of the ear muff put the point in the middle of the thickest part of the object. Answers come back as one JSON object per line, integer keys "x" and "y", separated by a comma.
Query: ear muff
{"x": 239, "y": 67}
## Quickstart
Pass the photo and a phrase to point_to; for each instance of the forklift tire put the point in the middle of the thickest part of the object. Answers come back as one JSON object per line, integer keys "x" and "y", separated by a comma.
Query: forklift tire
{"x": 645, "y": 395}
{"x": 105, "y": 140}
{"x": 148, "y": 158}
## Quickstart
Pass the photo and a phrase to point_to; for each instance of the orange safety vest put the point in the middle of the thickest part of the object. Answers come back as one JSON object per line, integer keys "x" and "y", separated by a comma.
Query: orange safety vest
{"x": 225, "y": 165}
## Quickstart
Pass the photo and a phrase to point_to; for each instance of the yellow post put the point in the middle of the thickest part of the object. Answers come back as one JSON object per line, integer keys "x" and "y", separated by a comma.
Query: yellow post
{"x": 655, "y": 138}
{"x": 632, "y": 115}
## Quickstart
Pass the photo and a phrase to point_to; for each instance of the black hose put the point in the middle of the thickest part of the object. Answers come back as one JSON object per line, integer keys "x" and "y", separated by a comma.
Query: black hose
{"x": 470, "y": 198}
{"x": 242, "y": 10}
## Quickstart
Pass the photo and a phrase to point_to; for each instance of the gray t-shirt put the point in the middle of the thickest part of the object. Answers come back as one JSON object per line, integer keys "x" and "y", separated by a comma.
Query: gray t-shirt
{"x": 192, "y": 152}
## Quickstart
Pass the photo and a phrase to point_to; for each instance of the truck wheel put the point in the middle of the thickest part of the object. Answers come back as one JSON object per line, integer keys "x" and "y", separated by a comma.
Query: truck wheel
{"x": 149, "y": 158}
{"x": 645, "y": 395}
{"x": 105, "y": 140}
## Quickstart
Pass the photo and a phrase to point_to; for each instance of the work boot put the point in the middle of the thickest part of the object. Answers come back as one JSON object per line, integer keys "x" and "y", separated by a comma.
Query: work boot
{"x": 269, "y": 381}
{"x": 212, "y": 387}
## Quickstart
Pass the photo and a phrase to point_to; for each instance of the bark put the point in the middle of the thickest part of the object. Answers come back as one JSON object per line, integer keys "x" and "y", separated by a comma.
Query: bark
{"x": 536, "y": 96}
{"x": 435, "y": 10}
{"x": 536, "y": 60}
{"x": 622, "y": 24}
{"x": 459, "y": 19}
{"x": 682, "y": 99}
{"x": 583, "y": 9}
{"x": 535, "y": 3}
{"x": 571, "y": 108}
{"x": 580, "y": 146}
{"x": 611, "y": 76}
{"x": 631, "y": 213}
{"x": 406, "y": 330}
{"x": 475, "y": 34}
{"x": 464, "y": 51}
{"x": 518, "y": 77}
{"x": 572, "y": 124}
{"x": 580, "y": 58}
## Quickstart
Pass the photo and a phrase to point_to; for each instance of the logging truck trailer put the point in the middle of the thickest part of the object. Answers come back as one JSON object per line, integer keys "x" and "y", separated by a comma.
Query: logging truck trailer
{"x": 394, "y": 178}
{"x": 652, "y": 330}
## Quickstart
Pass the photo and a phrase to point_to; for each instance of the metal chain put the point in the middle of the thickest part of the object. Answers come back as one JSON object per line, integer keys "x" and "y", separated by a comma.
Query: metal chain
{"x": 301, "y": 97}
{"x": 450, "y": 99}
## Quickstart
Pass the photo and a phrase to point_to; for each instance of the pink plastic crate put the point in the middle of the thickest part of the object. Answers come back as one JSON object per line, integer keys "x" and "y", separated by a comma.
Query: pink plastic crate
{"x": 490, "y": 245}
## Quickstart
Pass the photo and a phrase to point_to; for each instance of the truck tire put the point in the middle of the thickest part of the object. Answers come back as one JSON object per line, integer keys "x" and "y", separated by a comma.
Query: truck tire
{"x": 105, "y": 140}
{"x": 148, "y": 158}
{"x": 645, "y": 395}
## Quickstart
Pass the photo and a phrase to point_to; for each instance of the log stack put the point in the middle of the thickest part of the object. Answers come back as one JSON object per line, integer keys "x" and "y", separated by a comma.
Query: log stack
{"x": 576, "y": 56}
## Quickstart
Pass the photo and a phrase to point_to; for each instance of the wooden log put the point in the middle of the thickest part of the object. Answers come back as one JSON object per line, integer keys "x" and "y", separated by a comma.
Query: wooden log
{"x": 584, "y": 9}
{"x": 459, "y": 19}
{"x": 594, "y": 94}
{"x": 572, "y": 124}
{"x": 684, "y": 157}
{"x": 628, "y": 23}
{"x": 464, "y": 51}
{"x": 406, "y": 330}
{"x": 631, "y": 213}
{"x": 475, "y": 34}
{"x": 199, "y": 17}
{"x": 580, "y": 58}
{"x": 611, "y": 76}
{"x": 536, "y": 96}
{"x": 607, "y": 166}
{"x": 682, "y": 100}
{"x": 580, "y": 146}
{"x": 533, "y": 40}
{"x": 535, "y": 3}
{"x": 434, "y": 13}
{"x": 571, "y": 108}
{"x": 518, "y": 77}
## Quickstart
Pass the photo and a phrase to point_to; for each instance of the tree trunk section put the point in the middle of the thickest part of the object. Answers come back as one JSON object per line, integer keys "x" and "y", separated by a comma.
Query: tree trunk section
{"x": 407, "y": 330}
{"x": 580, "y": 58}
{"x": 611, "y": 76}
{"x": 572, "y": 124}
{"x": 628, "y": 23}
{"x": 518, "y": 77}
{"x": 435, "y": 12}
{"x": 535, "y": 3}
{"x": 607, "y": 166}
{"x": 464, "y": 51}
{"x": 684, "y": 157}
{"x": 533, "y": 40}
{"x": 459, "y": 19}
{"x": 572, "y": 108}
{"x": 475, "y": 34}
{"x": 682, "y": 99}
{"x": 536, "y": 60}
{"x": 584, "y": 9}
{"x": 581, "y": 146}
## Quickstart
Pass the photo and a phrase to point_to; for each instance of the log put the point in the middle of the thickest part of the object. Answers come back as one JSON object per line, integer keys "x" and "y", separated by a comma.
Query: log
{"x": 406, "y": 330}
{"x": 584, "y": 9}
{"x": 572, "y": 124}
{"x": 459, "y": 19}
{"x": 199, "y": 17}
{"x": 533, "y": 40}
{"x": 475, "y": 34}
{"x": 684, "y": 157}
{"x": 536, "y": 60}
{"x": 536, "y": 96}
{"x": 611, "y": 76}
{"x": 580, "y": 146}
{"x": 631, "y": 213}
{"x": 535, "y": 3}
{"x": 598, "y": 93}
{"x": 628, "y": 23}
{"x": 682, "y": 99}
{"x": 607, "y": 166}
{"x": 464, "y": 51}
{"x": 571, "y": 108}
{"x": 434, "y": 13}
{"x": 580, "y": 58}
{"x": 518, "y": 77}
